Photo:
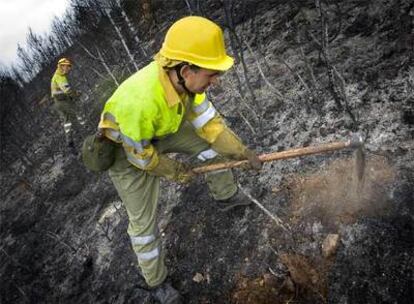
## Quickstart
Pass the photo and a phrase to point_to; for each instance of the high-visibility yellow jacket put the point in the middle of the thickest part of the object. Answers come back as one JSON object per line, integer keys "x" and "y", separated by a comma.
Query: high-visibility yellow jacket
{"x": 59, "y": 85}
{"x": 146, "y": 106}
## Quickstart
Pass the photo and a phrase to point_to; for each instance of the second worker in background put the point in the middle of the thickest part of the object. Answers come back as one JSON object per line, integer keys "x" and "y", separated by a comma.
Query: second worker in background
{"x": 65, "y": 99}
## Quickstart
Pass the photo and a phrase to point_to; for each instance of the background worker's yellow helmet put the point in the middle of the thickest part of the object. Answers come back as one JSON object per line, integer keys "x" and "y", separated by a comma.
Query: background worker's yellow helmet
{"x": 64, "y": 61}
{"x": 198, "y": 41}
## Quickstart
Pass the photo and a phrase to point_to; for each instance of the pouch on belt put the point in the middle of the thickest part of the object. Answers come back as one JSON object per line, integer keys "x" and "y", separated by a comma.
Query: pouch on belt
{"x": 98, "y": 152}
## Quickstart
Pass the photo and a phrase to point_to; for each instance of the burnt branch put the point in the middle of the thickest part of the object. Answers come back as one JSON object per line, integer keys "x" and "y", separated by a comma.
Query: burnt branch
{"x": 325, "y": 54}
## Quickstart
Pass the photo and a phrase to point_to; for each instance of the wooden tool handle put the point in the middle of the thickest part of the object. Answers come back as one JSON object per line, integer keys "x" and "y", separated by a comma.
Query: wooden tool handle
{"x": 277, "y": 156}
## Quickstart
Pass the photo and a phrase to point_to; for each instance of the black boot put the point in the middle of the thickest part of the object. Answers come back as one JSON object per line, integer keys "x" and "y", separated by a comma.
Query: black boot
{"x": 166, "y": 294}
{"x": 238, "y": 199}
{"x": 72, "y": 148}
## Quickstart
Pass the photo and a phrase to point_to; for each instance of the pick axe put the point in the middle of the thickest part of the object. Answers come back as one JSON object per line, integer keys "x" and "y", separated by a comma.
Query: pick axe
{"x": 354, "y": 142}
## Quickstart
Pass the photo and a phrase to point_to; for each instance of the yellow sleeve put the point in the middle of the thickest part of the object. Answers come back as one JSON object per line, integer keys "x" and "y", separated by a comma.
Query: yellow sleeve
{"x": 147, "y": 159}
{"x": 210, "y": 126}
{"x": 212, "y": 129}
{"x": 229, "y": 145}
{"x": 204, "y": 118}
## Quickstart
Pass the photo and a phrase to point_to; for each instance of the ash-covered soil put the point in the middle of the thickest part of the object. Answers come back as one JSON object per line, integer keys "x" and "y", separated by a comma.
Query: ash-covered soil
{"x": 63, "y": 229}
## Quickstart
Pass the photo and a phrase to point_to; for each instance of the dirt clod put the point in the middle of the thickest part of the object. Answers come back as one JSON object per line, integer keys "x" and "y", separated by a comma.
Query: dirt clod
{"x": 262, "y": 290}
{"x": 330, "y": 244}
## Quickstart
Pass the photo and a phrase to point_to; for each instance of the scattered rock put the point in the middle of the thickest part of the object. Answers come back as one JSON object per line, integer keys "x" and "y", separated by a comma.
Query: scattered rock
{"x": 330, "y": 244}
{"x": 198, "y": 278}
{"x": 323, "y": 131}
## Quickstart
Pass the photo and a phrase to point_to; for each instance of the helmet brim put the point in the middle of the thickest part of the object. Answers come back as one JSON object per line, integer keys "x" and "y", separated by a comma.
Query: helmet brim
{"x": 221, "y": 65}
{"x": 225, "y": 64}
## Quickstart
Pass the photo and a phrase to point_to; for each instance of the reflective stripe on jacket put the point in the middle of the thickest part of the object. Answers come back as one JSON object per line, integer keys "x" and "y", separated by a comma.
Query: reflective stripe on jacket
{"x": 59, "y": 85}
{"x": 146, "y": 107}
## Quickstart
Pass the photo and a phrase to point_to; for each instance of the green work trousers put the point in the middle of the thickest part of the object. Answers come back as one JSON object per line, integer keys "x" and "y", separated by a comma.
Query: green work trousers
{"x": 67, "y": 110}
{"x": 139, "y": 192}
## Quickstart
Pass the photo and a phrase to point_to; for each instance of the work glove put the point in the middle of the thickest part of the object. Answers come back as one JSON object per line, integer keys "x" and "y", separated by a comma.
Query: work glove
{"x": 172, "y": 170}
{"x": 254, "y": 161}
{"x": 184, "y": 174}
{"x": 229, "y": 145}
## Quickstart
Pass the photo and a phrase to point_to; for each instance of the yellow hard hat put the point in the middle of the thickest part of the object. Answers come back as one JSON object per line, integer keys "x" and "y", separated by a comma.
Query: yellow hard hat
{"x": 198, "y": 41}
{"x": 64, "y": 61}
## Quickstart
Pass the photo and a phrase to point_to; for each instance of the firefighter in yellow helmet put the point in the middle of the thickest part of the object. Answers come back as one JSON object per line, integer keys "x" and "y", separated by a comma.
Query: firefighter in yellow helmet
{"x": 161, "y": 109}
{"x": 65, "y": 99}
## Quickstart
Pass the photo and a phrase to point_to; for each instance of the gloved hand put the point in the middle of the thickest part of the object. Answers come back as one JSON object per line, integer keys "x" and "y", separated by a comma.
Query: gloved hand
{"x": 172, "y": 170}
{"x": 184, "y": 174}
{"x": 253, "y": 159}
{"x": 75, "y": 94}
{"x": 229, "y": 145}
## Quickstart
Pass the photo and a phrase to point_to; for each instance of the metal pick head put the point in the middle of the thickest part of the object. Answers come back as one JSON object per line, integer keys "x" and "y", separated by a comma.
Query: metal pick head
{"x": 355, "y": 141}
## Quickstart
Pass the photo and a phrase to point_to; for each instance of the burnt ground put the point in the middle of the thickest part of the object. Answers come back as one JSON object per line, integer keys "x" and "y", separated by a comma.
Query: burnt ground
{"x": 63, "y": 229}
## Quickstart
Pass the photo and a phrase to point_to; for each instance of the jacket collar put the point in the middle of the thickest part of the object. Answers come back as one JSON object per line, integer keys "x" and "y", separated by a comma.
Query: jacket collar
{"x": 59, "y": 72}
{"x": 171, "y": 95}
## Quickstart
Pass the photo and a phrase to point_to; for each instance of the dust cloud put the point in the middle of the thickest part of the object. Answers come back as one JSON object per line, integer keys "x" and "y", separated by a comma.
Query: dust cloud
{"x": 343, "y": 190}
